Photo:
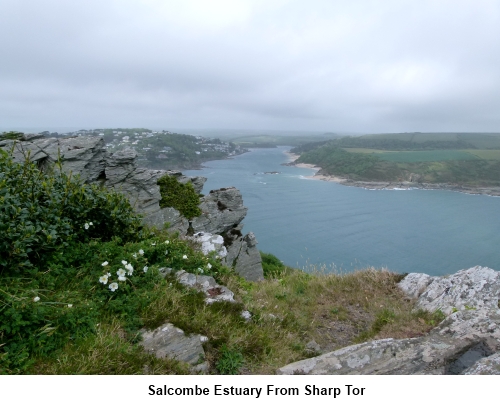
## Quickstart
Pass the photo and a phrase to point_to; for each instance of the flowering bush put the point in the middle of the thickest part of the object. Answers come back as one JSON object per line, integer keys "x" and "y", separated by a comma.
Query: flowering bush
{"x": 41, "y": 213}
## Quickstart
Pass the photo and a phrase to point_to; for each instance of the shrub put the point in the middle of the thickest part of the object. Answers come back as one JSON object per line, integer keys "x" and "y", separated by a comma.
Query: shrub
{"x": 271, "y": 265}
{"x": 182, "y": 197}
{"x": 41, "y": 213}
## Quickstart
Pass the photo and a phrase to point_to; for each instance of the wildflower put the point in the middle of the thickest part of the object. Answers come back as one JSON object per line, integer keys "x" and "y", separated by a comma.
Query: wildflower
{"x": 121, "y": 275}
{"x": 124, "y": 262}
{"x": 135, "y": 256}
{"x": 108, "y": 274}
{"x": 166, "y": 252}
{"x": 113, "y": 287}
{"x": 104, "y": 264}
{"x": 70, "y": 305}
{"x": 145, "y": 269}
{"x": 209, "y": 266}
{"x": 36, "y": 299}
{"x": 167, "y": 242}
{"x": 184, "y": 257}
{"x": 141, "y": 252}
{"x": 104, "y": 279}
{"x": 153, "y": 244}
{"x": 91, "y": 224}
{"x": 86, "y": 226}
{"x": 200, "y": 270}
{"x": 130, "y": 269}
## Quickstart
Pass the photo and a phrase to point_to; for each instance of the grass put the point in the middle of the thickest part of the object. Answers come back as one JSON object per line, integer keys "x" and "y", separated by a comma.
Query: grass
{"x": 485, "y": 154}
{"x": 289, "y": 309}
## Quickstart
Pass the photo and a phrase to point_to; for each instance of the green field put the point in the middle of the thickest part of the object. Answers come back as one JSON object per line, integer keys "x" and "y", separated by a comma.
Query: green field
{"x": 426, "y": 156}
{"x": 479, "y": 140}
{"x": 485, "y": 154}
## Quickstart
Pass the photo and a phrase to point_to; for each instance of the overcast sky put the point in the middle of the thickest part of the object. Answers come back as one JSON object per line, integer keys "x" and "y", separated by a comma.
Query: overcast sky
{"x": 333, "y": 65}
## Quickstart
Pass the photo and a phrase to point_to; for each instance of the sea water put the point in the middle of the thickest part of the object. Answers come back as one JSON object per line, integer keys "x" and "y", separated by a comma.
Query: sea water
{"x": 310, "y": 223}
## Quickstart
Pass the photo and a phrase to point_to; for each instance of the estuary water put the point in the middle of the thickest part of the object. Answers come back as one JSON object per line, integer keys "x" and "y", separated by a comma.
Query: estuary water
{"x": 309, "y": 222}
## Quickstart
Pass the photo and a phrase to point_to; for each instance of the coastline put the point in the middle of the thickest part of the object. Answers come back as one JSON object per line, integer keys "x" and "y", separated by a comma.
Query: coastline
{"x": 387, "y": 185}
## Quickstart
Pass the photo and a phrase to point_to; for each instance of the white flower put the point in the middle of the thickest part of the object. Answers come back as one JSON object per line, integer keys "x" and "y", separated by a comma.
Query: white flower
{"x": 36, "y": 299}
{"x": 104, "y": 279}
{"x": 135, "y": 256}
{"x": 153, "y": 244}
{"x": 141, "y": 252}
{"x": 209, "y": 266}
{"x": 130, "y": 269}
{"x": 166, "y": 252}
{"x": 200, "y": 270}
{"x": 109, "y": 274}
{"x": 86, "y": 226}
{"x": 90, "y": 223}
{"x": 104, "y": 264}
{"x": 113, "y": 286}
{"x": 184, "y": 257}
{"x": 70, "y": 305}
{"x": 145, "y": 269}
{"x": 121, "y": 275}
{"x": 167, "y": 242}
{"x": 124, "y": 262}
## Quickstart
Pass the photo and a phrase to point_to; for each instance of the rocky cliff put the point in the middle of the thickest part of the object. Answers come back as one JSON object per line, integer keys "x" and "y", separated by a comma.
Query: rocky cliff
{"x": 86, "y": 156}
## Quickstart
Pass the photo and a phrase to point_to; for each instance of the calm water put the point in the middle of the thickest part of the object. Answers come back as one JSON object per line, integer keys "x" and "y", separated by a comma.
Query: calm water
{"x": 309, "y": 222}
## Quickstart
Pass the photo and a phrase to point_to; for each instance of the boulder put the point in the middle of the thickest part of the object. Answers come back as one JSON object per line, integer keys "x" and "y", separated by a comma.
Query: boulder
{"x": 466, "y": 342}
{"x": 169, "y": 341}
{"x": 206, "y": 284}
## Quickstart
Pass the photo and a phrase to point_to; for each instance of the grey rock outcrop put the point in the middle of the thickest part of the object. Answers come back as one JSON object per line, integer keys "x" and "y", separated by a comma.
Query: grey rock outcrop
{"x": 221, "y": 210}
{"x": 169, "y": 341}
{"x": 206, "y": 284}
{"x": 465, "y": 342}
{"x": 244, "y": 256}
{"x": 86, "y": 156}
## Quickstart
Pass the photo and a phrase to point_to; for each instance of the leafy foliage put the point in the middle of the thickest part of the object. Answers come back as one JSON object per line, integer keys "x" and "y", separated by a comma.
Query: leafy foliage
{"x": 180, "y": 196}
{"x": 41, "y": 213}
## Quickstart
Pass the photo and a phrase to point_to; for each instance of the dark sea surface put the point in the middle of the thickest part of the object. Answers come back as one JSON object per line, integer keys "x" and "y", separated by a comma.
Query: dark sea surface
{"x": 309, "y": 222}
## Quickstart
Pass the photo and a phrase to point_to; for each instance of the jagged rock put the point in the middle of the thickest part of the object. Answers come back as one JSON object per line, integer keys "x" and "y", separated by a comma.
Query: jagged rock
{"x": 221, "y": 210}
{"x": 244, "y": 256}
{"x": 207, "y": 284}
{"x": 470, "y": 333}
{"x": 169, "y": 341}
{"x": 414, "y": 284}
{"x": 477, "y": 287}
{"x": 211, "y": 243}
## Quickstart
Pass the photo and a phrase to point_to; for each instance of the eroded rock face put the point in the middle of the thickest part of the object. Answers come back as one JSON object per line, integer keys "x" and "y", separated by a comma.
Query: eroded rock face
{"x": 86, "y": 156}
{"x": 221, "y": 211}
{"x": 466, "y": 342}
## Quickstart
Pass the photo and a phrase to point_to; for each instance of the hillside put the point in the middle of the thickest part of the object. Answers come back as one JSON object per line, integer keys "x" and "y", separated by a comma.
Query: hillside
{"x": 468, "y": 160}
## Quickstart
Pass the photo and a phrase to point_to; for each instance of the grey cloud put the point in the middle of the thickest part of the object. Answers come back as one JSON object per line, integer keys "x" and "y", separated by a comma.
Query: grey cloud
{"x": 320, "y": 65}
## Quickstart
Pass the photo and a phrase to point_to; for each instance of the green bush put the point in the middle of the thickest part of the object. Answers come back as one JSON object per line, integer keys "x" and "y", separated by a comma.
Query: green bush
{"x": 271, "y": 265}
{"x": 182, "y": 197}
{"x": 41, "y": 213}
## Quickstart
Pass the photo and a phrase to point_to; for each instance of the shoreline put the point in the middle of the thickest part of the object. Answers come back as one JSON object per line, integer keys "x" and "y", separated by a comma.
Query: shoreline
{"x": 387, "y": 185}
